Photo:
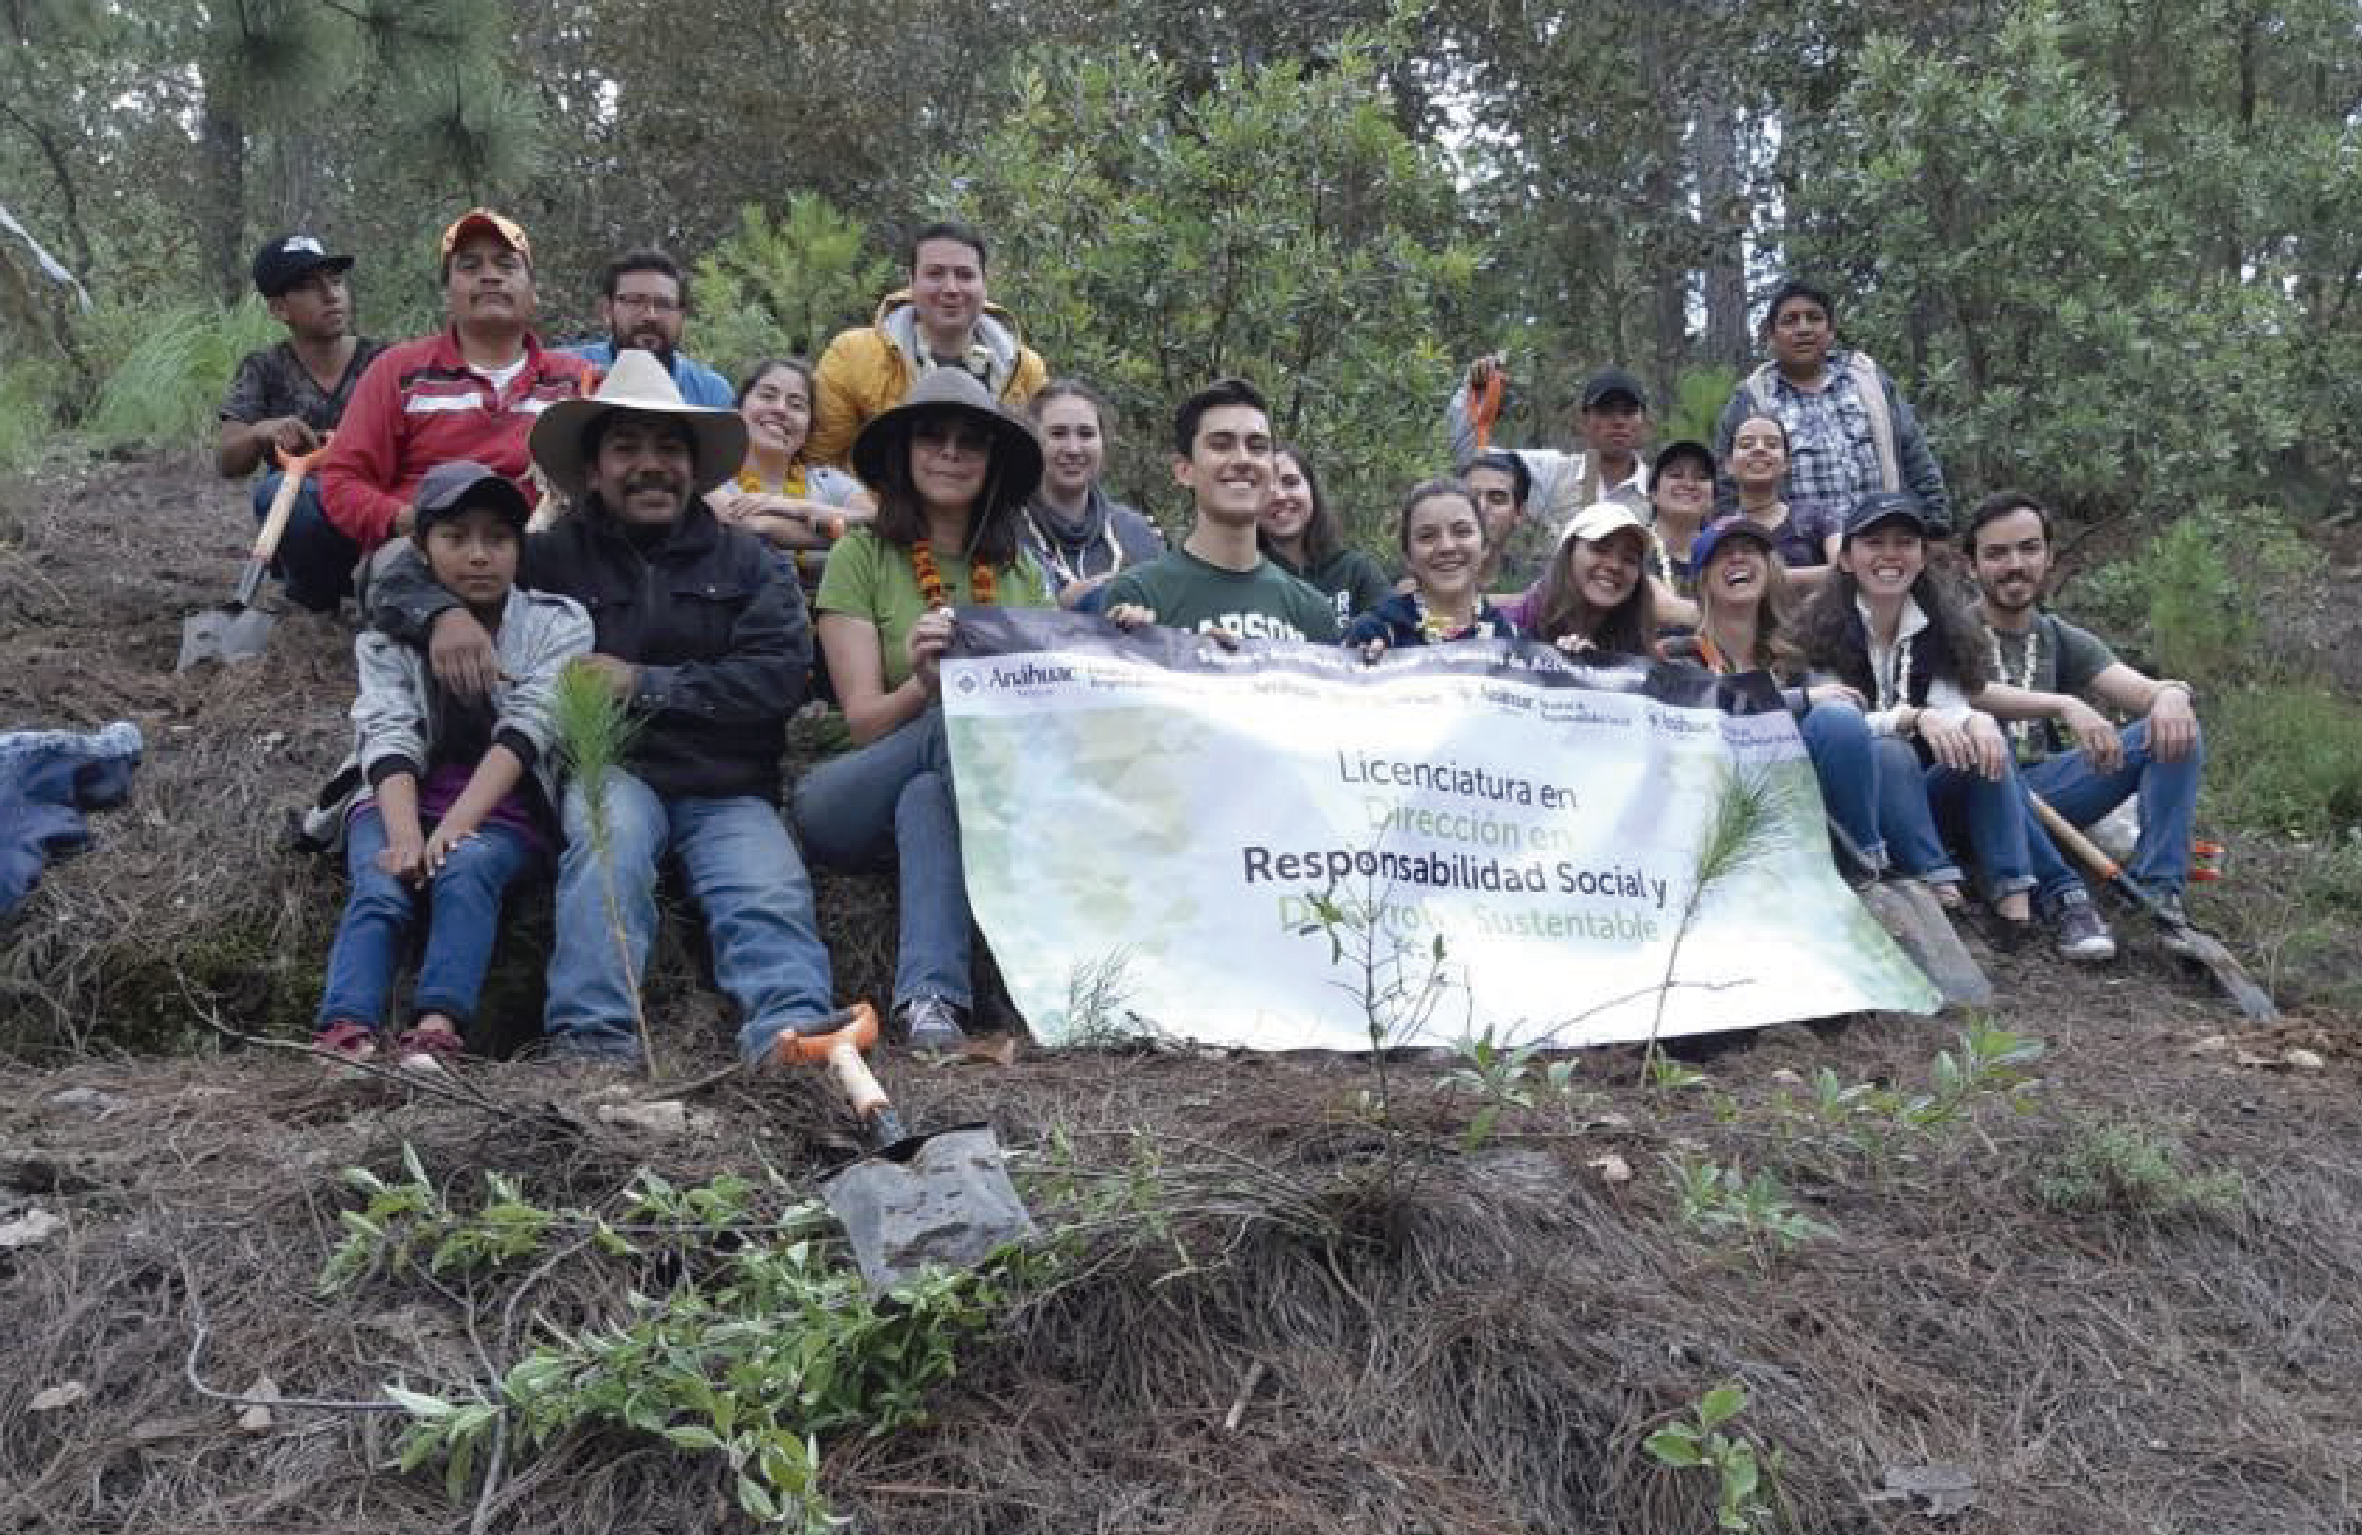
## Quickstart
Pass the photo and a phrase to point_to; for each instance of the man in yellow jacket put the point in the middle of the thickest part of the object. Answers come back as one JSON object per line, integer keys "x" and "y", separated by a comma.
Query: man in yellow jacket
{"x": 942, "y": 320}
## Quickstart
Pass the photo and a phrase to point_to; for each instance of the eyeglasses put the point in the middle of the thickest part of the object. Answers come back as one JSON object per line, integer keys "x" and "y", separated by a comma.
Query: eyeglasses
{"x": 654, "y": 303}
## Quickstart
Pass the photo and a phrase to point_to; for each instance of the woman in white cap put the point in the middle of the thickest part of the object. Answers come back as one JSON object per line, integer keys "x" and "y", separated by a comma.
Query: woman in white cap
{"x": 952, "y": 472}
{"x": 1593, "y": 596}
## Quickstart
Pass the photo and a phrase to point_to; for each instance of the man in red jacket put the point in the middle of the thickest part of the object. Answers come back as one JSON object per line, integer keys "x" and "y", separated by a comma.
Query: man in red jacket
{"x": 471, "y": 391}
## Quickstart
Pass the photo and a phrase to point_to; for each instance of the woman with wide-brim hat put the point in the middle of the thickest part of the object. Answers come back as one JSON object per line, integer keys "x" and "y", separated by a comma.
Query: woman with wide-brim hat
{"x": 952, "y": 472}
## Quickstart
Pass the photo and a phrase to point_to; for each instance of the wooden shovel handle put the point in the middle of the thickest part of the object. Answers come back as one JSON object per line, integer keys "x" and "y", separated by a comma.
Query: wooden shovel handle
{"x": 2063, "y": 832}
{"x": 294, "y": 467}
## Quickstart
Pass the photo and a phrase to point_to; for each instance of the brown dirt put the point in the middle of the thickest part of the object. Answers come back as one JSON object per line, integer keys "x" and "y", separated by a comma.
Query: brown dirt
{"x": 1450, "y": 1340}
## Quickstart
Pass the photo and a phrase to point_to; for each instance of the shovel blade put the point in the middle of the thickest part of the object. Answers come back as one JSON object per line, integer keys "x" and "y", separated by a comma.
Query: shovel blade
{"x": 943, "y": 1198}
{"x": 2252, "y": 1000}
{"x": 225, "y": 635}
{"x": 1918, "y": 924}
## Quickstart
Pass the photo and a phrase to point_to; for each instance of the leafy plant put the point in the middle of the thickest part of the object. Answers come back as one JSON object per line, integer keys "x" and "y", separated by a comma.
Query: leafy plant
{"x": 1503, "y": 1077}
{"x": 780, "y": 286}
{"x": 1698, "y": 1443}
{"x": 167, "y": 388}
{"x": 1724, "y": 1201}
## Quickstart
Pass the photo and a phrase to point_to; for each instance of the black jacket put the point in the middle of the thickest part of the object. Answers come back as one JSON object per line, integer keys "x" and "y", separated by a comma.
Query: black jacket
{"x": 713, "y": 620}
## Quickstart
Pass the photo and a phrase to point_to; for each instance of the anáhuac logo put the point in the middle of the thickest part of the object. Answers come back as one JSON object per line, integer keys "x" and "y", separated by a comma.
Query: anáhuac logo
{"x": 1031, "y": 675}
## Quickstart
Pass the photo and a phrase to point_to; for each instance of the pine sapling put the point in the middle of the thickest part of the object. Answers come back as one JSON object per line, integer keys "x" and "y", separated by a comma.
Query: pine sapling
{"x": 594, "y": 732}
{"x": 1749, "y": 823}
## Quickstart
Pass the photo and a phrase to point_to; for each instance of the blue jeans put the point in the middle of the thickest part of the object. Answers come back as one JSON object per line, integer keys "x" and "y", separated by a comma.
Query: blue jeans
{"x": 892, "y": 799}
{"x": 316, "y": 558}
{"x": 1913, "y": 799}
{"x": 1838, "y": 741}
{"x": 463, "y": 903}
{"x": 2168, "y": 801}
{"x": 743, "y": 872}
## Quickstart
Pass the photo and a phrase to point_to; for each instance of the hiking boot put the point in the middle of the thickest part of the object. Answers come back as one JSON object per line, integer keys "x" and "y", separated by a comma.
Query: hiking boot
{"x": 2078, "y": 930}
{"x": 931, "y": 1026}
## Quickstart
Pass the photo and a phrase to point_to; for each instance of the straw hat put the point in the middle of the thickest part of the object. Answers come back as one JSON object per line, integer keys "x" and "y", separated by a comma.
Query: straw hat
{"x": 636, "y": 382}
{"x": 1016, "y": 452}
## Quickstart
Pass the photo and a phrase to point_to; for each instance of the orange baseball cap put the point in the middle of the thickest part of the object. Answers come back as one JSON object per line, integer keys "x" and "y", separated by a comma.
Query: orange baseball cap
{"x": 507, "y": 231}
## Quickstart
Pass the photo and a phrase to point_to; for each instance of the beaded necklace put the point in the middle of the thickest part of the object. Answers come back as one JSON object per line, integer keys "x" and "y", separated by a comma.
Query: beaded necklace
{"x": 1441, "y": 628}
{"x": 982, "y": 585}
{"x": 2021, "y": 732}
{"x": 1894, "y": 691}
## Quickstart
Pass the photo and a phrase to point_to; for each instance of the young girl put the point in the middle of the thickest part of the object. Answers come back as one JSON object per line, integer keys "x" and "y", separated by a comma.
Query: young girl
{"x": 1075, "y": 534}
{"x": 1886, "y": 628}
{"x": 1299, "y": 534}
{"x": 456, "y": 802}
{"x": 1742, "y": 627}
{"x": 953, "y": 472}
{"x": 1593, "y": 596}
{"x": 1443, "y": 542}
{"x": 776, "y": 495}
{"x": 1758, "y": 465}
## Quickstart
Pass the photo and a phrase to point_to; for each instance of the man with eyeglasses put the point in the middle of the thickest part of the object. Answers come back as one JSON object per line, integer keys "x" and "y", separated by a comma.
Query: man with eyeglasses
{"x": 644, "y": 301}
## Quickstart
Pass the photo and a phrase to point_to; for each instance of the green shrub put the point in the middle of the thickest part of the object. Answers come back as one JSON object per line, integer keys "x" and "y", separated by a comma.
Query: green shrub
{"x": 2181, "y": 600}
{"x": 2285, "y": 756}
{"x": 782, "y": 286}
{"x": 28, "y": 410}
{"x": 174, "y": 366}
{"x": 1698, "y": 397}
{"x": 2137, "y": 1171}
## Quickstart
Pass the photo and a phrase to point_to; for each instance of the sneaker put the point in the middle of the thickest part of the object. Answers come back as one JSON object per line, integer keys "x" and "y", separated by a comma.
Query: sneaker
{"x": 931, "y": 1026}
{"x": 427, "y": 1050}
{"x": 2078, "y": 929}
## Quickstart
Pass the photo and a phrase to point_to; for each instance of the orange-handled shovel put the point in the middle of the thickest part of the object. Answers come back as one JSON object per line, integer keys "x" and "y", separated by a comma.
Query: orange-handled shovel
{"x": 241, "y": 630}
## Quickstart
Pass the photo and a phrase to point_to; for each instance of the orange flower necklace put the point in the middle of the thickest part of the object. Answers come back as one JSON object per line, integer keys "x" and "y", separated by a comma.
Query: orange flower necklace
{"x": 981, "y": 583}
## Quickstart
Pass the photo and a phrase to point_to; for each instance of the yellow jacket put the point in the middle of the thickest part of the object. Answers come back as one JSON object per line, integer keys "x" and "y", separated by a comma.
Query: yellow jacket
{"x": 868, "y": 369}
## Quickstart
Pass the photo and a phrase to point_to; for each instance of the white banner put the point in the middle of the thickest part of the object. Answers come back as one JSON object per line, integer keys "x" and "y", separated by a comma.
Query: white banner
{"x": 1285, "y": 848}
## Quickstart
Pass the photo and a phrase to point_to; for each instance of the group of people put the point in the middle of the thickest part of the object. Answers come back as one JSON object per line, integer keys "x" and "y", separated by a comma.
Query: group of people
{"x": 717, "y": 557}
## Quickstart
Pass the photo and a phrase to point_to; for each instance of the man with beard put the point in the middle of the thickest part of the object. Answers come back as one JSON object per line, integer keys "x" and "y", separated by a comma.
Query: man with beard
{"x": 2047, "y": 669}
{"x": 701, "y": 633}
{"x": 470, "y": 391}
{"x": 644, "y": 302}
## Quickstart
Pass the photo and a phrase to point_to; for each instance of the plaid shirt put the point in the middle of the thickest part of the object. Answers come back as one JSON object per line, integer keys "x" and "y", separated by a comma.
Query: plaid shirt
{"x": 1832, "y": 456}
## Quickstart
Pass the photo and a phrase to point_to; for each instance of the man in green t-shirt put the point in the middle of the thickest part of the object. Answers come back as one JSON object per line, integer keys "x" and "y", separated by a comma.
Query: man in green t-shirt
{"x": 2046, "y": 671}
{"x": 1218, "y": 581}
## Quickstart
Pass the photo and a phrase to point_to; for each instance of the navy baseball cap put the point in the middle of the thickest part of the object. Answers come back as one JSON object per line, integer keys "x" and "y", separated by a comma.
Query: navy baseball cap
{"x": 290, "y": 259}
{"x": 452, "y": 488}
{"x": 1721, "y": 531}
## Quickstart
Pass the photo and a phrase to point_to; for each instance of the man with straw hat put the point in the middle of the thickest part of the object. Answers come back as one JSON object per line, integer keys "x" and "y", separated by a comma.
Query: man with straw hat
{"x": 701, "y": 632}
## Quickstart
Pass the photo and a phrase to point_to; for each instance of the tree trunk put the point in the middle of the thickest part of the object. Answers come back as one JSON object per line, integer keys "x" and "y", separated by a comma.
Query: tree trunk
{"x": 1664, "y": 218}
{"x": 1722, "y": 218}
{"x": 221, "y": 235}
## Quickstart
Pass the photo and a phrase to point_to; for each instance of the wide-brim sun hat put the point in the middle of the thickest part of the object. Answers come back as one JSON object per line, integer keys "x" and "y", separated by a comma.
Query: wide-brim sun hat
{"x": 636, "y": 382}
{"x": 1016, "y": 452}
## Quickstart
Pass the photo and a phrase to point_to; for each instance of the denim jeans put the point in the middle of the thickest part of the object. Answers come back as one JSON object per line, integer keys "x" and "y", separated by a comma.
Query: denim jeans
{"x": 316, "y": 558}
{"x": 742, "y": 871}
{"x": 2168, "y": 800}
{"x": 1913, "y": 800}
{"x": 892, "y": 800}
{"x": 463, "y": 917}
{"x": 1837, "y": 740}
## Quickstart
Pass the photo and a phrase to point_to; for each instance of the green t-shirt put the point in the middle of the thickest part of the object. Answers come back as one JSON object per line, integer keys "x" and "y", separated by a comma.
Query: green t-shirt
{"x": 2054, "y": 656}
{"x": 1265, "y": 603}
{"x": 871, "y": 579}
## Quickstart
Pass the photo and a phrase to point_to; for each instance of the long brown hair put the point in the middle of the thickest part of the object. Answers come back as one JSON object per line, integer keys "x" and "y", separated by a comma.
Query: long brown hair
{"x": 992, "y": 517}
{"x": 1832, "y": 638}
{"x": 1629, "y": 628}
{"x": 1321, "y": 537}
{"x": 1775, "y": 650}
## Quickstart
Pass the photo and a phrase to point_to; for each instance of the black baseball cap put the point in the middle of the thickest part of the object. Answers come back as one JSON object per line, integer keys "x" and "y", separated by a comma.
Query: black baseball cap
{"x": 1687, "y": 447}
{"x": 452, "y": 488}
{"x": 1607, "y": 383}
{"x": 290, "y": 259}
{"x": 1889, "y": 506}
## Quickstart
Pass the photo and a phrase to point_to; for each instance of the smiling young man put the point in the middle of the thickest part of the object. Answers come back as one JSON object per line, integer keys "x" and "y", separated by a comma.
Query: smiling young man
{"x": 1218, "y": 581}
{"x": 1850, "y": 434}
{"x": 942, "y": 319}
{"x": 2047, "y": 669}
{"x": 471, "y": 391}
{"x": 289, "y": 396}
{"x": 644, "y": 303}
